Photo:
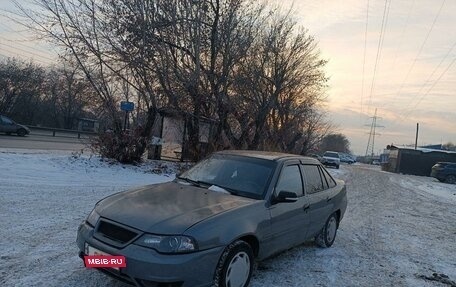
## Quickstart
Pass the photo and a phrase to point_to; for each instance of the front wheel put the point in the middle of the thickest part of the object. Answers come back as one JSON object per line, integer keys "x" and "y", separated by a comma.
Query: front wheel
{"x": 451, "y": 179}
{"x": 235, "y": 266}
{"x": 21, "y": 132}
{"x": 327, "y": 235}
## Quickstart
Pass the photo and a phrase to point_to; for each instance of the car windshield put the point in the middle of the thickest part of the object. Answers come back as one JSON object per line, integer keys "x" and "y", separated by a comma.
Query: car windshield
{"x": 332, "y": 154}
{"x": 7, "y": 120}
{"x": 238, "y": 175}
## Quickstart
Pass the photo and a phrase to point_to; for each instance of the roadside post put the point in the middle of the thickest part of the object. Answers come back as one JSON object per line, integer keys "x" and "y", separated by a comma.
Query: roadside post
{"x": 126, "y": 107}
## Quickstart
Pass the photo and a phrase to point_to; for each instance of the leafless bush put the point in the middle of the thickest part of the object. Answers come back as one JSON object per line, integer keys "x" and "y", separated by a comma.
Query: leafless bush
{"x": 124, "y": 146}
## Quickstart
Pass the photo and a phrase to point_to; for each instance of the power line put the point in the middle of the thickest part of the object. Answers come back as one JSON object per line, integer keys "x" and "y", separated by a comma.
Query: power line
{"x": 25, "y": 51}
{"x": 379, "y": 48}
{"x": 21, "y": 44}
{"x": 429, "y": 90}
{"x": 433, "y": 72}
{"x": 421, "y": 49}
{"x": 364, "y": 58}
{"x": 401, "y": 39}
{"x": 12, "y": 52}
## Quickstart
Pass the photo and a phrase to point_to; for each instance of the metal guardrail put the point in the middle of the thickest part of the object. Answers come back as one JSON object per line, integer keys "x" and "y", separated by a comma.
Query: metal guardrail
{"x": 56, "y": 131}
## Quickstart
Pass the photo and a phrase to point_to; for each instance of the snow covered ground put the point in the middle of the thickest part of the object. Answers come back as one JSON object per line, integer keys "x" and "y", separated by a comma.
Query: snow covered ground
{"x": 397, "y": 229}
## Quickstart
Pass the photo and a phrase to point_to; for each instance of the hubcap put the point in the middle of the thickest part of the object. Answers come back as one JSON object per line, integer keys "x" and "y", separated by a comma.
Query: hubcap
{"x": 331, "y": 229}
{"x": 451, "y": 179}
{"x": 238, "y": 270}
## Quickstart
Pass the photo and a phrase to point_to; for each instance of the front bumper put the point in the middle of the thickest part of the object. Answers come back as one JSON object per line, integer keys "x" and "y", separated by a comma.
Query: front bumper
{"x": 436, "y": 173}
{"x": 146, "y": 267}
{"x": 331, "y": 163}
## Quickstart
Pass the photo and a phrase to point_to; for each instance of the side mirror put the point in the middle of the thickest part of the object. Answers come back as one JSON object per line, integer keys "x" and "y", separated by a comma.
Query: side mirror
{"x": 286, "y": 196}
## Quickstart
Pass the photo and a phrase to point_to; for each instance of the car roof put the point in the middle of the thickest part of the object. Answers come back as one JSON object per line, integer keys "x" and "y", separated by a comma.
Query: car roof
{"x": 268, "y": 155}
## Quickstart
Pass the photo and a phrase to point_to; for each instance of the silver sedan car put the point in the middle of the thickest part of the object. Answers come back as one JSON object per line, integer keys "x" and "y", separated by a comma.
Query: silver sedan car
{"x": 209, "y": 225}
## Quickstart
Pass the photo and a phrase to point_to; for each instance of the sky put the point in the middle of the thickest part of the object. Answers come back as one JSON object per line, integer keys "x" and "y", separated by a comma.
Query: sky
{"x": 407, "y": 73}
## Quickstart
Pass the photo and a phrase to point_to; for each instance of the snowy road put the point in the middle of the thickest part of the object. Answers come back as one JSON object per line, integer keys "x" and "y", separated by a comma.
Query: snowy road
{"x": 43, "y": 142}
{"x": 396, "y": 227}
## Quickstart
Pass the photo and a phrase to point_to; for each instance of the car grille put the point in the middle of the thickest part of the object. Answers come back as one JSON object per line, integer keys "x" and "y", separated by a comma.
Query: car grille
{"x": 115, "y": 232}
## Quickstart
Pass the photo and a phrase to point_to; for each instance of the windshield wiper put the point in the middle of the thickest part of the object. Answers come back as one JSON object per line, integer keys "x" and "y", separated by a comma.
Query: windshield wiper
{"x": 230, "y": 190}
{"x": 204, "y": 184}
{"x": 194, "y": 182}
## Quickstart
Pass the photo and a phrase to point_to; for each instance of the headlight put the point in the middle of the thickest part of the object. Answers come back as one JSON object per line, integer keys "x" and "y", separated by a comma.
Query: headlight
{"x": 93, "y": 217}
{"x": 167, "y": 244}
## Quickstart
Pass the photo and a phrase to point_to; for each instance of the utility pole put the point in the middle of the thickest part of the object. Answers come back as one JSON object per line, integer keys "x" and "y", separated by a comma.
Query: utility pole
{"x": 371, "y": 142}
{"x": 416, "y": 137}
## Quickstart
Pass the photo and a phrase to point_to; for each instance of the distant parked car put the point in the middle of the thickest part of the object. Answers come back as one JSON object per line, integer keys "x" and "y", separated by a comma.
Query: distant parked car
{"x": 315, "y": 156}
{"x": 331, "y": 158}
{"x": 346, "y": 158}
{"x": 8, "y": 126}
{"x": 209, "y": 225}
{"x": 445, "y": 172}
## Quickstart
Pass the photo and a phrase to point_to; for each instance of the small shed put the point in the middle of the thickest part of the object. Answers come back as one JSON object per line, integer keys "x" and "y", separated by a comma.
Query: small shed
{"x": 170, "y": 135}
{"x": 415, "y": 161}
{"x": 88, "y": 125}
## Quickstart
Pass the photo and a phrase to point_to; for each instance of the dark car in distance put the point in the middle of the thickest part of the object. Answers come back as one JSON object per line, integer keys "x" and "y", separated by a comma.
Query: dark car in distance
{"x": 209, "y": 225}
{"x": 445, "y": 172}
{"x": 8, "y": 126}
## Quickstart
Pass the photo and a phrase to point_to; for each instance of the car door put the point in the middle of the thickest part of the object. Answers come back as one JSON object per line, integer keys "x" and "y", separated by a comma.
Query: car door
{"x": 289, "y": 220}
{"x": 319, "y": 197}
{"x": 7, "y": 125}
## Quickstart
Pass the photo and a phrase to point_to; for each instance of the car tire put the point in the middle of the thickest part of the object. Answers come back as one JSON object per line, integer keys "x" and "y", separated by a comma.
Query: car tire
{"x": 337, "y": 166}
{"x": 8, "y": 133}
{"x": 451, "y": 179}
{"x": 21, "y": 132}
{"x": 235, "y": 266}
{"x": 328, "y": 233}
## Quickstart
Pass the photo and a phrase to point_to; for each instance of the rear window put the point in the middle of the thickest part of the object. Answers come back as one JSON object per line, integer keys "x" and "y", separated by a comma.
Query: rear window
{"x": 331, "y": 154}
{"x": 329, "y": 179}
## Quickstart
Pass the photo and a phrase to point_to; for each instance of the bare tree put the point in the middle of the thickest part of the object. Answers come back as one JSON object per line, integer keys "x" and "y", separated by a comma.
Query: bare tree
{"x": 279, "y": 86}
{"x": 21, "y": 86}
{"x": 335, "y": 142}
{"x": 51, "y": 96}
{"x": 246, "y": 65}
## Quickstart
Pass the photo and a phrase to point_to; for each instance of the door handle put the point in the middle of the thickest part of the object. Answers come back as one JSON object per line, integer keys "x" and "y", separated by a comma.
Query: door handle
{"x": 328, "y": 199}
{"x": 306, "y": 206}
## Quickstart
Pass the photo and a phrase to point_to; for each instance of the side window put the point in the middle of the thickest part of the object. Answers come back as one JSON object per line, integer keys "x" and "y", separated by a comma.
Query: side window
{"x": 312, "y": 179}
{"x": 290, "y": 180}
{"x": 6, "y": 121}
{"x": 323, "y": 178}
{"x": 329, "y": 179}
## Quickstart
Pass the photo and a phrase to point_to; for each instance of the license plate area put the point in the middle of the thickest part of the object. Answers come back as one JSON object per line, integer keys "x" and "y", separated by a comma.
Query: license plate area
{"x": 92, "y": 251}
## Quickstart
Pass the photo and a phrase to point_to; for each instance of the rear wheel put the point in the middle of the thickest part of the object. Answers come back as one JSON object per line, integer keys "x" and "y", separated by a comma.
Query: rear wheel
{"x": 21, "y": 132}
{"x": 328, "y": 233}
{"x": 235, "y": 266}
{"x": 451, "y": 179}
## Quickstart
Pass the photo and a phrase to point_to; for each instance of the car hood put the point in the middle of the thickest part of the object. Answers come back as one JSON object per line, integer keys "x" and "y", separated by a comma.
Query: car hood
{"x": 168, "y": 208}
{"x": 24, "y": 127}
